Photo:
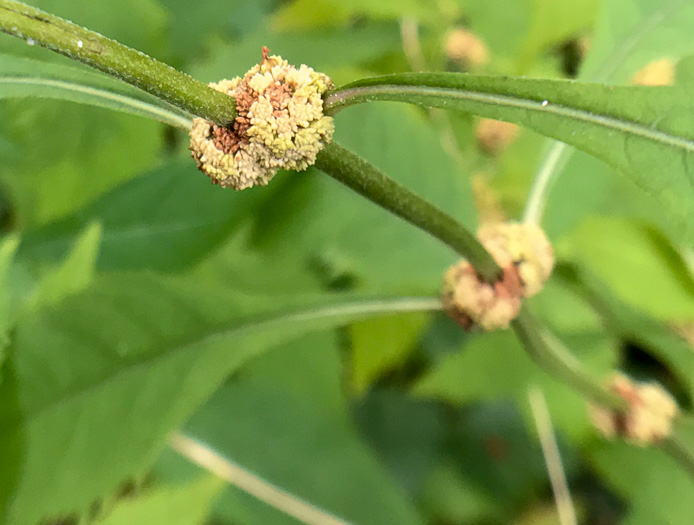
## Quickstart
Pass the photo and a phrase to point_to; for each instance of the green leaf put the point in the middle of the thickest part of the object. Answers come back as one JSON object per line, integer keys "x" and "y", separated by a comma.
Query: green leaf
{"x": 553, "y": 21}
{"x": 165, "y": 220}
{"x": 8, "y": 247}
{"x": 302, "y": 14}
{"x": 181, "y": 505}
{"x": 379, "y": 345}
{"x": 629, "y": 35}
{"x": 99, "y": 380}
{"x": 657, "y": 487}
{"x": 495, "y": 367}
{"x": 294, "y": 430}
{"x": 644, "y": 132}
{"x": 25, "y": 77}
{"x": 632, "y": 33}
{"x": 641, "y": 266}
{"x": 74, "y": 274}
{"x": 344, "y": 235}
{"x": 633, "y": 325}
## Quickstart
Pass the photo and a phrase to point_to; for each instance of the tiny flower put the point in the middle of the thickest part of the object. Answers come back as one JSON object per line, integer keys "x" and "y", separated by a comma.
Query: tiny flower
{"x": 648, "y": 417}
{"x": 465, "y": 47}
{"x": 523, "y": 245}
{"x": 279, "y": 125}
{"x": 470, "y": 301}
{"x": 525, "y": 257}
{"x": 657, "y": 73}
{"x": 494, "y": 136}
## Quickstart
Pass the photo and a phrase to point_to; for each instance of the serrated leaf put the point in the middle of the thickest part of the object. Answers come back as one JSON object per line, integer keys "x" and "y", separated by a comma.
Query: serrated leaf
{"x": 98, "y": 381}
{"x": 644, "y": 132}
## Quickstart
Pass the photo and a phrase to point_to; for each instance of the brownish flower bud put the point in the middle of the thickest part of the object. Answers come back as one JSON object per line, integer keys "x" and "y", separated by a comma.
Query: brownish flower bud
{"x": 463, "y": 46}
{"x": 279, "y": 125}
{"x": 494, "y": 136}
{"x": 648, "y": 417}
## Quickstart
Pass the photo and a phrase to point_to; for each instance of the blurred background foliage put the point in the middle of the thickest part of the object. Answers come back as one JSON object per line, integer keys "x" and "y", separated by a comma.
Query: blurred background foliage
{"x": 401, "y": 419}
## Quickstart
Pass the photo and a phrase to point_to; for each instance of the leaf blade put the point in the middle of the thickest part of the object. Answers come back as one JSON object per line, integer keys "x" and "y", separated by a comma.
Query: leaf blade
{"x": 643, "y": 132}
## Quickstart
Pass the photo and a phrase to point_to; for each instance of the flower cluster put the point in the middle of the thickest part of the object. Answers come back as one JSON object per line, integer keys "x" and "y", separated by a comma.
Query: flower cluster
{"x": 279, "y": 125}
{"x": 526, "y": 258}
{"x": 649, "y": 414}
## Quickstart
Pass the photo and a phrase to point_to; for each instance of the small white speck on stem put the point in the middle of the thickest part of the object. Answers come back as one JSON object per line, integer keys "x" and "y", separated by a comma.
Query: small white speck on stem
{"x": 544, "y": 103}
{"x": 80, "y": 44}
{"x": 30, "y": 41}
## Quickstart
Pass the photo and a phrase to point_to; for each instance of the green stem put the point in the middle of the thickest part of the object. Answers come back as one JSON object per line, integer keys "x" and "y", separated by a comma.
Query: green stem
{"x": 553, "y": 357}
{"x": 360, "y": 176}
{"x": 134, "y": 67}
{"x": 680, "y": 444}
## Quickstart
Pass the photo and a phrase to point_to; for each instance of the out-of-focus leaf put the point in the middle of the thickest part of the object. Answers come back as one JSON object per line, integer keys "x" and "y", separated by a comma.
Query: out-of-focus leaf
{"x": 343, "y": 233}
{"x": 637, "y": 327}
{"x": 74, "y": 274}
{"x": 8, "y": 247}
{"x": 90, "y": 152}
{"x": 638, "y": 262}
{"x": 184, "y": 505}
{"x": 293, "y": 430}
{"x": 494, "y": 367}
{"x": 24, "y": 77}
{"x": 329, "y": 51}
{"x": 644, "y": 132}
{"x": 164, "y": 220}
{"x": 378, "y": 345}
{"x": 632, "y": 33}
{"x": 140, "y": 24}
{"x": 303, "y": 14}
{"x": 629, "y": 35}
{"x": 192, "y": 27}
{"x": 408, "y": 434}
{"x": 657, "y": 487}
{"x": 576, "y": 315}
{"x": 554, "y": 21}
{"x": 102, "y": 378}
{"x": 451, "y": 497}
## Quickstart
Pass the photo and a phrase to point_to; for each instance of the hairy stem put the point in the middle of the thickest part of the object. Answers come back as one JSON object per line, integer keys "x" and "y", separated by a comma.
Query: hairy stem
{"x": 129, "y": 65}
{"x": 360, "y": 176}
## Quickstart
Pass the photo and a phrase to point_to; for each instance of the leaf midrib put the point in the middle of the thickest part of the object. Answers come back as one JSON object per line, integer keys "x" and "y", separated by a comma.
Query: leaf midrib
{"x": 258, "y": 323}
{"x": 532, "y": 105}
{"x": 160, "y": 113}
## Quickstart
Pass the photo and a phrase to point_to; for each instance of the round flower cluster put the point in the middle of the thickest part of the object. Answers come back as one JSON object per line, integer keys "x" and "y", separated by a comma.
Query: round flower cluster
{"x": 523, "y": 245}
{"x": 279, "y": 125}
{"x": 526, "y": 258}
{"x": 648, "y": 417}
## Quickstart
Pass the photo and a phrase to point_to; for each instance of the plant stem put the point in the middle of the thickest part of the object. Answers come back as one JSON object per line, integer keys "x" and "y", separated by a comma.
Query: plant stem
{"x": 360, "y": 176}
{"x": 552, "y": 356}
{"x": 134, "y": 67}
